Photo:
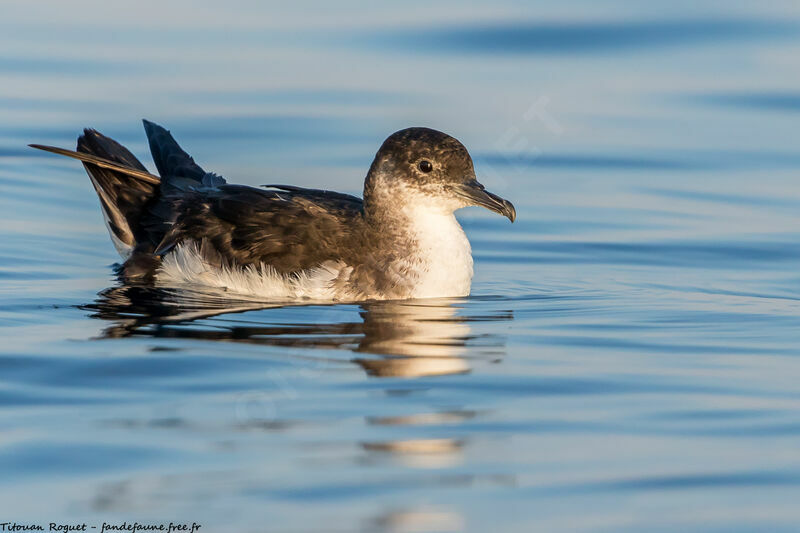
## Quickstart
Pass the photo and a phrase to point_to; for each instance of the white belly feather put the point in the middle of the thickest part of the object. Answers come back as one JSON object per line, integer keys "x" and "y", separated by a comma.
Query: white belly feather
{"x": 186, "y": 268}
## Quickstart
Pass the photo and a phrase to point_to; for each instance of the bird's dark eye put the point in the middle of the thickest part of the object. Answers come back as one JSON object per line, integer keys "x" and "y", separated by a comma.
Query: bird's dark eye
{"x": 425, "y": 166}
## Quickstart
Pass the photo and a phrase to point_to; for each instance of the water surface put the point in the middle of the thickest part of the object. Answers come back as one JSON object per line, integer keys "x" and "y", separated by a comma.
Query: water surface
{"x": 628, "y": 360}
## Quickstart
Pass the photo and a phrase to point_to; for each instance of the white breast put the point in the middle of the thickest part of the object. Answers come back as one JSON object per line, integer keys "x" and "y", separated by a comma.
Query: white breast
{"x": 443, "y": 262}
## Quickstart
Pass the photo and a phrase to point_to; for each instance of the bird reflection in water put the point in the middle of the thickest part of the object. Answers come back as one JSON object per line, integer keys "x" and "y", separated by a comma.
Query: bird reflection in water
{"x": 406, "y": 339}
{"x": 410, "y": 338}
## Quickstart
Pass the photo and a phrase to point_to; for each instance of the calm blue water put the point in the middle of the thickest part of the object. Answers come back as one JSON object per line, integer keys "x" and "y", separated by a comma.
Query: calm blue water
{"x": 629, "y": 359}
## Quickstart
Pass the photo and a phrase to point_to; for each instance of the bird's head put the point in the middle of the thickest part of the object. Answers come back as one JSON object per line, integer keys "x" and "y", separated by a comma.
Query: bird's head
{"x": 425, "y": 167}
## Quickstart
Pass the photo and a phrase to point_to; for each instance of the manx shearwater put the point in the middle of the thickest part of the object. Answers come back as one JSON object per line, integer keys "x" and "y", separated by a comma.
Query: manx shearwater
{"x": 189, "y": 228}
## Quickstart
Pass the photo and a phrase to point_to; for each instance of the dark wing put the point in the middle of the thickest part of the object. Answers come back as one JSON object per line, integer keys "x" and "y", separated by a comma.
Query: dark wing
{"x": 177, "y": 168}
{"x": 290, "y": 229}
{"x": 122, "y": 198}
{"x": 321, "y": 194}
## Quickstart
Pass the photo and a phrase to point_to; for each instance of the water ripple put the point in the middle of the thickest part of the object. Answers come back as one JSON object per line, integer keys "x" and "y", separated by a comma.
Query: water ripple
{"x": 563, "y": 38}
{"x": 766, "y": 101}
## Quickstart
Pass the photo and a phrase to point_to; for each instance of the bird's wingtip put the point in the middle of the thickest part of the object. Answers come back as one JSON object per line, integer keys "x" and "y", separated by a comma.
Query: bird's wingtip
{"x": 151, "y": 127}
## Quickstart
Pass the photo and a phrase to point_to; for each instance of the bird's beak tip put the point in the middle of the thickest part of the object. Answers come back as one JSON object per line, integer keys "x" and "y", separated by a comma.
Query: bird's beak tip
{"x": 476, "y": 194}
{"x": 509, "y": 211}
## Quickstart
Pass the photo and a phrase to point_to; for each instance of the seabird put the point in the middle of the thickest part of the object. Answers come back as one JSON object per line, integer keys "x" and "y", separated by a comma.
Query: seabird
{"x": 188, "y": 228}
